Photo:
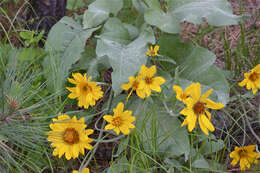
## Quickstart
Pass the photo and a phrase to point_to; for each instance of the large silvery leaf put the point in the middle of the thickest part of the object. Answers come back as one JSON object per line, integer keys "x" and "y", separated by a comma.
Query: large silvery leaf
{"x": 165, "y": 21}
{"x": 125, "y": 60}
{"x": 217, "y": 13}
{"x": 195, "y": 64}
{"x": 99, "y": 11}
{"x": 119, "y": 32}
{"x": 65, "y": 43}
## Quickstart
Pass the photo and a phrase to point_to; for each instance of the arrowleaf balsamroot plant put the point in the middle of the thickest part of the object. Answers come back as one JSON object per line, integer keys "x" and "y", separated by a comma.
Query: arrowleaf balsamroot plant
{"x": 127, "y": 58}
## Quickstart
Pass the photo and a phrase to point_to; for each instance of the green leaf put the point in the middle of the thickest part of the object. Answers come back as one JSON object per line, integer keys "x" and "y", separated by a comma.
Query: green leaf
{"x": 125, "y": 60}
{"x": 65, "y": 42}
{"x": 165, "y": 21}
{"x": 39, "y": 37}
{"x": 173, "y": 139}
{"x": 90, "y": 62}
{"x": 74, "y": 4}
{"x": 139, "y": 5}
{"x": 211, "y": 146}
{"x": 26, "y": 34}
{"x": 200, "y": 162}
{"x": 161, "y": 132}
{"x": 195, "y": 64}
{"x": 99, "y": 11}
{"x": 115, "y": 30}
{"x": 217, "y": 13}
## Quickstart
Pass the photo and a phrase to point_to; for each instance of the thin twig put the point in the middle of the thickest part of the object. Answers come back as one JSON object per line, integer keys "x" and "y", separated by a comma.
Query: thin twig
{"x": 251, "y": 129}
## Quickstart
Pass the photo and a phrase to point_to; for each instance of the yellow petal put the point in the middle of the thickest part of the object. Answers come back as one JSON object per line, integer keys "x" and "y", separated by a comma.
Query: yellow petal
{"x": 78, "y": 77}
{"x": 196, "y": 92}
{"x": 243, "y": 82}
{"x": 244, "y": 163}
{"x": 126, "y": 86}
{"x": 192, "y": 120}
{"x": 89, "y": 131}
{"x": 68, "y": 155}
{"x": 131, "y": 126}
{"x": 156, "y": 88}
{"x": 75, "y": 151}
{"x": 85, "y": 170}
{"x": 119, "y": 108}
{"x": 125, "y": 130}
{"x": 212, "y": 105}
{"x": 72, "y": 81}
{"x": 234, "y": 162}
{"x": 186, "y": 111}
{"x": 148, "y": 91}
{"x": 108, "y": 118}
{"x": 156, "y": 48}
{"x": 117, "y": 130}
{"x": 158, "y": 80}
{"x": 203, "y": 126}
{"x": 254, "y": 90}
{"x": 109, "y": 127}
{"x": 178, "y": 91}
{"x": 249, "y": 148}
{"x": 143, "y": 70}
{"x": 151, "y": 71}
{"x": 205, "y": 95}
{"x": 257, "y": 68}
{"x": 249, "y": 85}
{"x": 140, "y": 93}
{"x": 72, "y": 89}
{"x": 208, "y": 114}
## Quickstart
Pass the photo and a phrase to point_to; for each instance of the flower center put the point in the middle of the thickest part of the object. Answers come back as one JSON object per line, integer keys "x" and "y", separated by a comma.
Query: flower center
{"x": 148, "y": 80}
{"x": 71, "y": 136}
{"x": 253, "y": 77}
{"x": 242, "y": 153}
{"x": 152, "y": 52}
{"x": 199, "y": 108}
{"x": 135, "y": 85}
{"x": 86, "y": 88}
{"x": 117, "y": 121}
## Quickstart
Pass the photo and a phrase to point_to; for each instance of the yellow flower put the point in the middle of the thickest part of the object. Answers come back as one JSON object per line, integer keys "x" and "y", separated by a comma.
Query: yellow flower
{"x": 153, "y": 52}
{"x": 150, "y": 83}
{"x": 196, "y": 109}
{"x": 252, "y": 79}
{"x": 69, "y": 136}
{"x": 246, "y": 155}
{"x": 85, "y": 170}
{"x": 86, "y": 92}
{"x": 121, "y": 121}
{"x": 137, "y": 84}
{"x": 183, "y": 96}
